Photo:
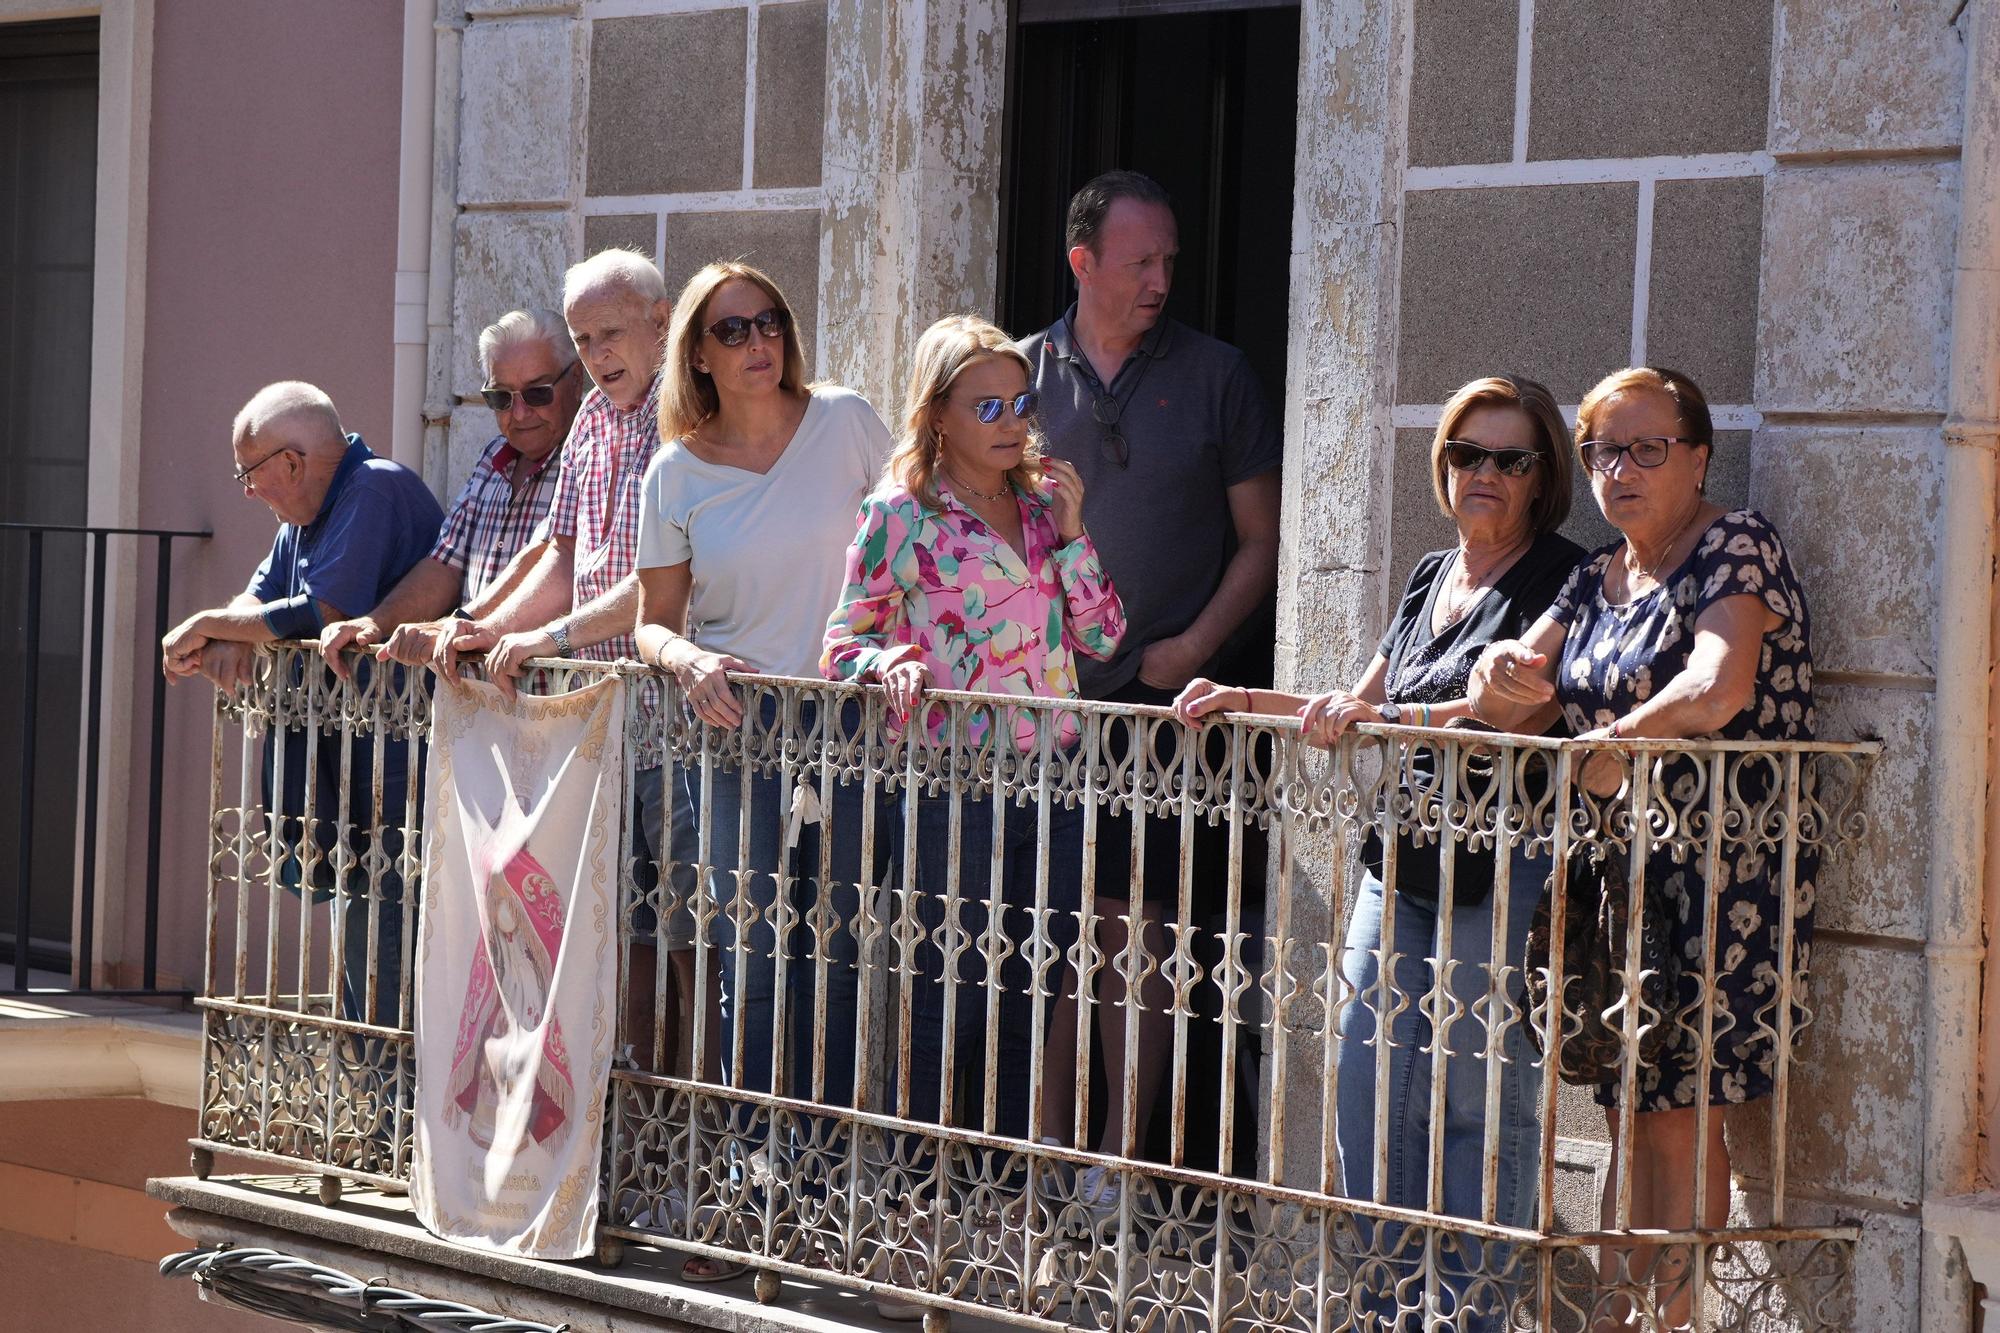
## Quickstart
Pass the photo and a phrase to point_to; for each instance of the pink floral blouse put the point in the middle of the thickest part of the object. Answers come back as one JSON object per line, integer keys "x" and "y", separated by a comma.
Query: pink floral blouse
{"x": 943, "y": 587}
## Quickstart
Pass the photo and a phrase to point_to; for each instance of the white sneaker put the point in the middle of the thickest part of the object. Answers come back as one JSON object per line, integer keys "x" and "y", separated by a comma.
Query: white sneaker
{"x": 1100, "y": 1189}
{"x": 902, "y": 1312}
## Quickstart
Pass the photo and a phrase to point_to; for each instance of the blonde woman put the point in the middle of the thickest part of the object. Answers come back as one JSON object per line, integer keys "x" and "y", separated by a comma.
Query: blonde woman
{"x": 972, "y": 571}
{"x": 743, "y": 517}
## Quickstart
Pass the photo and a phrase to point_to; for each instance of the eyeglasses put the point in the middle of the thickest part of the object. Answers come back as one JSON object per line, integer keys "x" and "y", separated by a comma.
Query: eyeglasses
{"x": 1105, "y": 411}
{"x": 988, "y": 409}
{"x": 242, "y": 474}
{"x": 1647, "y": 451}
{"x": 535, "y": 395}
{"x": 1468, "y": 457}
{"x": 735, "y": 330}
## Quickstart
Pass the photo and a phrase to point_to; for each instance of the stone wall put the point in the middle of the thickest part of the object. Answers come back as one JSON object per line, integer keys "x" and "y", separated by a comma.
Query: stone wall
{"x": 1735, "y": 192}
{"x": 689, "y": 131}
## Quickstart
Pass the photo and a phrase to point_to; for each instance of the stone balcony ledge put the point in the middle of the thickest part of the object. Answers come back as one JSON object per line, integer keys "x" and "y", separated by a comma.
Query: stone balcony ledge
{"x": 1973, "y": 1220}
{"x": 373, "y": 1234}
{"x": 58, "y": 1046}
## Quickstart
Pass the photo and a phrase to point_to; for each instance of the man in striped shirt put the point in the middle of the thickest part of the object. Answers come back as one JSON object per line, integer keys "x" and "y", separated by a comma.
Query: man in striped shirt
{"x": 581, "y": 598}
{"x": 534, "y": 387}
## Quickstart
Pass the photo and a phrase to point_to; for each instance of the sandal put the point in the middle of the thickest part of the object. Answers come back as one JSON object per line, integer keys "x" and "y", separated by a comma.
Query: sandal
{"x": 720, "y": 1270}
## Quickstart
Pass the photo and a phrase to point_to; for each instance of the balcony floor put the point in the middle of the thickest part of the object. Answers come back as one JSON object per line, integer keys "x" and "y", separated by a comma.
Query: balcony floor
{"x": 372, "y": 1234}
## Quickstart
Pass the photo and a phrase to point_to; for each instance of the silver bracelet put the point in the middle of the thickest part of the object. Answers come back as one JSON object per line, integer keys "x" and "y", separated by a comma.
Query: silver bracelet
{"x": 560, "y": 633}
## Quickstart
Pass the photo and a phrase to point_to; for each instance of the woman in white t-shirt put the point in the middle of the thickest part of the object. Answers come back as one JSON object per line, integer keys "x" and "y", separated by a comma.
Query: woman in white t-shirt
{"x": 745, "y": 517}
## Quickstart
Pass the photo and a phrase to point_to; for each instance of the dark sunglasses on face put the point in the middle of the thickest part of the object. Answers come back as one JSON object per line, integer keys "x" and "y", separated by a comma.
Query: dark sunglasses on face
{"x": 1647, "y": 451}
{"x": 535, "y": 395}
{"x": 1467, "y": 457}
{"x": 988, "y": 409}
{"x": 735, "y": 330}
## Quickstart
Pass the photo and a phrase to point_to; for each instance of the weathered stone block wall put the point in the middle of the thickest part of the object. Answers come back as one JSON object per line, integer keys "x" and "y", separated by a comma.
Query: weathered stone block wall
{"x": 1746, "y": 193}
{"x": 704, "y": 139}
{"x": 689, "y": 133}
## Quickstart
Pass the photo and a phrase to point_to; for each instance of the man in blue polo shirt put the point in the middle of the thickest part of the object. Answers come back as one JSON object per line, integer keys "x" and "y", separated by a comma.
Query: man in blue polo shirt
{"x": 351, "y": 525}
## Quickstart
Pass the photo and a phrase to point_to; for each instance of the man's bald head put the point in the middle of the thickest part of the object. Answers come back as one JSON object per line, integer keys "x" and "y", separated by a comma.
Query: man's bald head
{"x": 293, "y": 413}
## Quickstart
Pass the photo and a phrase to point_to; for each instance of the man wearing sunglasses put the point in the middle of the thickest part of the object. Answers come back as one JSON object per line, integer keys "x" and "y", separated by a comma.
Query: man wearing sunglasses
{"x": 1179, "y": 459}
{"x": 533, "y": 384}
{"x": 580, "y": 598}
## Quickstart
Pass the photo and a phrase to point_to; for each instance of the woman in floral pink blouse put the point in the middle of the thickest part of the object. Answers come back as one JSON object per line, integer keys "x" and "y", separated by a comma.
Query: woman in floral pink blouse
{"x": 972, "y": 571}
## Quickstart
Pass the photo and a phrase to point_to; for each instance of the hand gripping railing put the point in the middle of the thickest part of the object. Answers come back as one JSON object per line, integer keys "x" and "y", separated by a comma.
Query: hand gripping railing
{"x": 836, "y": 1107}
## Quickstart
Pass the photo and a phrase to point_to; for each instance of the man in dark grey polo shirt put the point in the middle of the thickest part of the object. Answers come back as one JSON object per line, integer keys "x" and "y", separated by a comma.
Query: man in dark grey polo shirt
{"x": 1179, "y": 457}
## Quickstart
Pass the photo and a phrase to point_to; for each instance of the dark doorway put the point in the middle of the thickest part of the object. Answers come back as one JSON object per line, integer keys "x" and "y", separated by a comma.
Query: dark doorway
{"x": 1206, "y": 103}
{"x": 1201, "y": 95}
{"x": 48, "y": 209}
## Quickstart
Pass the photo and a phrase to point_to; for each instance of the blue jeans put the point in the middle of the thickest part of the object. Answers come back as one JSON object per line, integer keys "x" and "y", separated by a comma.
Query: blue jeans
{"x": 387, "y": 976}
{"x": 1407, "y": 1120}
{"x": 1014, "y": 897}
{"x": 750, "y": 985}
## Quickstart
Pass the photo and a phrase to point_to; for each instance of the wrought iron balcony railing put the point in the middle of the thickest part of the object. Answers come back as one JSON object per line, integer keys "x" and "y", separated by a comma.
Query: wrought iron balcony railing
{"x": 949, "y": 1172}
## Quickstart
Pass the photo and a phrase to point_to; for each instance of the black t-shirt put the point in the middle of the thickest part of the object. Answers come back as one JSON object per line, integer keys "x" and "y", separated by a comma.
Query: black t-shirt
{"x": 1434, "y": 669}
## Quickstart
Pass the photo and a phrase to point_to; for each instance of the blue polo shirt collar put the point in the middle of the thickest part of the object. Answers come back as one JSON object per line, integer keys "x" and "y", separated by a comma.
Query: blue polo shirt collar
{"x": 351, "y": 462}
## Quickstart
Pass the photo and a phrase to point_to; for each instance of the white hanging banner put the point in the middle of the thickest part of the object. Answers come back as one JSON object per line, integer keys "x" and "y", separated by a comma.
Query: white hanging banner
{"x": 516, "y": 965}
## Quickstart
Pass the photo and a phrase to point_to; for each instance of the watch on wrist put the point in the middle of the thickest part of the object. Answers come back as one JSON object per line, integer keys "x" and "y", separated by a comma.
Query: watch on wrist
{"x": 1390, "y": 713}
{"x": 560, "y": 633}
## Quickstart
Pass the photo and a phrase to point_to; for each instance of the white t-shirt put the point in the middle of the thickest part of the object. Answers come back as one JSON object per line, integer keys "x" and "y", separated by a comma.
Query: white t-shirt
{"x": 769, "y": 552}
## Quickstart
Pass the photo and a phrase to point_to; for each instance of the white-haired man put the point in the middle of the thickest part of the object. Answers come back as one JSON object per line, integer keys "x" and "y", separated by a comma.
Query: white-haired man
{"x": 529, "y": 371}
{"x": 581, "y": 598}
{"x": 351, "y": 526}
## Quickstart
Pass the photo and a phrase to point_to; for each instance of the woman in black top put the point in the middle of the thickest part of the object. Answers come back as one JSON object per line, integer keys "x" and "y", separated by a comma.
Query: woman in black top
{"x": 1501, "y": 471}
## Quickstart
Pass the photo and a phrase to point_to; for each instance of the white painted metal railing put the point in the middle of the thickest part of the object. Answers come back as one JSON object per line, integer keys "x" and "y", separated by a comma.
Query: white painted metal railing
{"x": 868, "y": 1173}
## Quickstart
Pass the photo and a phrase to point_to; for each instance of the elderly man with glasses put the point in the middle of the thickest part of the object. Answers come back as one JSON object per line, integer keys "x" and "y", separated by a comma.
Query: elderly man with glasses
{"x": 534, "y": 386}
{"x": 351, "y": 526}
{"x": 580, "y": 598}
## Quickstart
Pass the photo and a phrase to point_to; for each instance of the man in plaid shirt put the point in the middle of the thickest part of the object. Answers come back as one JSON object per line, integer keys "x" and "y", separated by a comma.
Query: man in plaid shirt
{"x": 581, "y": 598}
{"x": 534, "y": 387}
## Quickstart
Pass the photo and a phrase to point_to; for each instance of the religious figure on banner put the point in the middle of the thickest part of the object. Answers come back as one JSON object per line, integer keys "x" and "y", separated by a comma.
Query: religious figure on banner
{"x": 510, "y": 1074}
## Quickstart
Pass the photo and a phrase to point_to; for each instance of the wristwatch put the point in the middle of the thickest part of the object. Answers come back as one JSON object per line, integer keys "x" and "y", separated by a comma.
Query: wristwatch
{"x": 560, "y": 633}
{"x": 1390, "y": 713}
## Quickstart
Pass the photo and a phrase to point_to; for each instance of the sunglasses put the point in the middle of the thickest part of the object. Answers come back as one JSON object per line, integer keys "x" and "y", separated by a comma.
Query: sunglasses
{"x": 1105, "y": 411}
{"x": 988, "y": 409}
{"x": 1467, "y": 457}
{"x": 735, "y": 330}
{"x": 1648, "y": 451}
{"x": 535, "y": 395}
{"x": 242, "y": 474}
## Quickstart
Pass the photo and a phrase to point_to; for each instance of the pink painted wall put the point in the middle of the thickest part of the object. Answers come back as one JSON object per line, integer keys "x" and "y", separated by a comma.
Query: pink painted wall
{"x": 104, "y": 1282}
{"x": 271, "y": 255}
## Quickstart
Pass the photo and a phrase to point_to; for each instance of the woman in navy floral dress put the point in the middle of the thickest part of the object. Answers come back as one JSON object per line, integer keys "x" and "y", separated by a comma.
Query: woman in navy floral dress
{"x": 1693, "y": 626}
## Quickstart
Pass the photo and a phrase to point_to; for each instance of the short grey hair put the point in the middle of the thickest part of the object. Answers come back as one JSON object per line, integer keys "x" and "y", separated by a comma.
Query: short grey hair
{"x": 522, "y": 326}
{"x": 290, "y": 402}
{"x": 617, "y": 267}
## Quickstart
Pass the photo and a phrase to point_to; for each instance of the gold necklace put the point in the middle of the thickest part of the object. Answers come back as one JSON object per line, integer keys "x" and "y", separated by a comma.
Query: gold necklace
{"x": 1652, "y": 572}
{"x": 1006, "y": 488}
{"x": 1454, "y": 608}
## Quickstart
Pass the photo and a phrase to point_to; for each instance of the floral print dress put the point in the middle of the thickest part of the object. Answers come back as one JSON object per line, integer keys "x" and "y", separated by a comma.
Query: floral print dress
{"x": 938, "y": 585}
{"x": 1614, "y": 658}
